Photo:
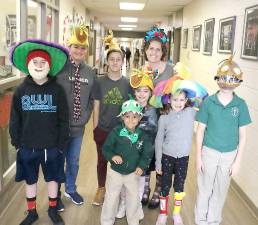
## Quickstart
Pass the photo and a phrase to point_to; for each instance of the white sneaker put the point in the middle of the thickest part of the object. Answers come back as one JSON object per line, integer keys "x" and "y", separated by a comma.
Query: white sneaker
{"x": 121, "y": 210}
{"x": 162, "y": 219}
{"x": 177, "y": 219}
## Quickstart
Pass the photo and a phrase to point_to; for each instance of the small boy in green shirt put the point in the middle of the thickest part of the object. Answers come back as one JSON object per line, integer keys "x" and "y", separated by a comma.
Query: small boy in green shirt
{"x": 220, "y": 141}
{"x": 129, "y": 152}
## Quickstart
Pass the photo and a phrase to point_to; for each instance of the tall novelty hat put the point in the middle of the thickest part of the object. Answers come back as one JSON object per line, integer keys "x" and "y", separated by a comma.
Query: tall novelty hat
{"x": 141, "y": 78}
{"x": 156, "y": 33}
{"x": 229, "y": 74}
{"x": 131, "y": 106}
{"x": 79, "y": 35}
{"x": 108, "y": 38}
{"x": 54, "y": 54}
{"x": 111, "y": 42}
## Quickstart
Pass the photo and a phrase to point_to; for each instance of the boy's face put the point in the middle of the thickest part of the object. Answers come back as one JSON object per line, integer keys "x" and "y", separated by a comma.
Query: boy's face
{"x": 115, "y": 61}
{"x": 78, "y": 52}
{"x": 142, "y": 95}
{"x": 178, "y": 102}
{"x": 38, "y": 68}
{"x": 131, "y": 120}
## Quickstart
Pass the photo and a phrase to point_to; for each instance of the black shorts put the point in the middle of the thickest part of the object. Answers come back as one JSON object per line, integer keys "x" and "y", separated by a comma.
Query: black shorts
{"x": 28, "y": 162}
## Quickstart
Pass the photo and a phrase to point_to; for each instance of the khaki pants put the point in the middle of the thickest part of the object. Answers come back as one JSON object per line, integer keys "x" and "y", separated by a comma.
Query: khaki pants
{"x": 114, "y": 184}
{"x": 213, "y": 186}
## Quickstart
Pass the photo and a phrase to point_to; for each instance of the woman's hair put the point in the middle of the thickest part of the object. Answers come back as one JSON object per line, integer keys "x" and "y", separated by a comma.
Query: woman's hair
{"x": 115, "y": 50}
{"x": 163, "y": 48}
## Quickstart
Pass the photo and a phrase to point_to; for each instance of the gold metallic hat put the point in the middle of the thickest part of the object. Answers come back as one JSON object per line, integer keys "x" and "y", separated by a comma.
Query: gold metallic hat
{"x": 141, "y": 78}
{"x": 229, "y": 74}
{"x": 111, "y": 42}
{"x": 79, "y": 35}
{"x": 108, "y": 38}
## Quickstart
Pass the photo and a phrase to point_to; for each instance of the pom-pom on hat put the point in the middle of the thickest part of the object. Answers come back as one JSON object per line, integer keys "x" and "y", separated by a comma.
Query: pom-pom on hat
{"x": 156, "y": 33}
{"x": 79, "y": 35}
{"x": 20, "y": 54}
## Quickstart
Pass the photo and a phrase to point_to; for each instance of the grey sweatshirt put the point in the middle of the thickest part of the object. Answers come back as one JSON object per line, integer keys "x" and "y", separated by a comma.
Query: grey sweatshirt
{"x": 88, "y": 78}
{"x": 174, "y": 137}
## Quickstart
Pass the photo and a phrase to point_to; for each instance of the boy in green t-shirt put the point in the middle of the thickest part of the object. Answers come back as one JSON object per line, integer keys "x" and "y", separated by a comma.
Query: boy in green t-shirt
{"x": 220, "y": 141}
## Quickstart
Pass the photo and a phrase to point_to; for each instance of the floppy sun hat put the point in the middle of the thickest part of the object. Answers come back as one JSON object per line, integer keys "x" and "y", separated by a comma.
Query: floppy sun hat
{"x": 58, "y": 55}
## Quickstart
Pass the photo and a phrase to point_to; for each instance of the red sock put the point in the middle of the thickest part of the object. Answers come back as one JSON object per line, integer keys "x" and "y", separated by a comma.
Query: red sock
{"x": 52, "y": 202}
{"x": 31, "y": 203}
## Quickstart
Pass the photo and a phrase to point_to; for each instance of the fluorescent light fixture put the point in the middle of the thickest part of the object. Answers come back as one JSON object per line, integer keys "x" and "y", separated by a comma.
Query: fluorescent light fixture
{"x": 127, "y": 25}
{"x": 129, "y": 19}
{"x": 126, "y": 28}
{"x": 131, "y": 6}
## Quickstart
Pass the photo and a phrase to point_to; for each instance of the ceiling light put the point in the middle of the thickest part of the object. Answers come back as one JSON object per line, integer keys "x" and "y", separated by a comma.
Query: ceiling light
{"x": 129, "y": 19}
{"x": 126, "y": 28}
{"x": 127, "y": 25}
{"x": 131, "y": 6}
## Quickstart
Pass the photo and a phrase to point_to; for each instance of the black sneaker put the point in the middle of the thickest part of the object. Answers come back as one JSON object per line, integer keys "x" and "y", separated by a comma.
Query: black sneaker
{"x": 75, "y": 197}
{"x": 55, "y": 217}
{"x": 30, "y": 218}
{"x": 59, "y": 205}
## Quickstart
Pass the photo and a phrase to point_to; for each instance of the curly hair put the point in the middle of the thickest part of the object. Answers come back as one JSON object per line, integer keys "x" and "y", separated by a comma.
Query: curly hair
{"x": 163, "y": 47}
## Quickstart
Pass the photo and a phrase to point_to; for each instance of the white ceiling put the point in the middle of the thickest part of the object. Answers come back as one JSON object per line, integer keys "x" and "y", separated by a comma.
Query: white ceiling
{"x": 108, "y": 13}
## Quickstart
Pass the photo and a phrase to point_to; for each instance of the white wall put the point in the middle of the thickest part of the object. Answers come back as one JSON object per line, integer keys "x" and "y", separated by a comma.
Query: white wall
{"x": 204, "y": 68}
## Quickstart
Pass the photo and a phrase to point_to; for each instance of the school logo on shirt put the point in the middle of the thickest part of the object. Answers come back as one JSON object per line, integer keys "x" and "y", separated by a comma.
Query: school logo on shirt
{"x": 82, "y": 80}
{"x": 113, "y": 97}
{"x": 43, "y": 103}
{"x": 234, "y": 111}
{"x": 139, "y": 144}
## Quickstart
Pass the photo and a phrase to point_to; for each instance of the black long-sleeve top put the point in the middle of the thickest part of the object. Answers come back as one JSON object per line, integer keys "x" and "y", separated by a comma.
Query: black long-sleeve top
{"x": 39, "y": 115}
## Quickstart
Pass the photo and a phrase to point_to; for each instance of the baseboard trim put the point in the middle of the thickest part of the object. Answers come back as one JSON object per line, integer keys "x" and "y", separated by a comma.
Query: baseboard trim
{"x": 9, "y": 191}
{"x": 242, "y": 195}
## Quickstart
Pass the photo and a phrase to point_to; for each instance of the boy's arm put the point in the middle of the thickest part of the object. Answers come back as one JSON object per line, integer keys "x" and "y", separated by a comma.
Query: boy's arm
{"x": 159, "y": 143}
{"x": 108, "y": 146}
{"x": 242, "y": 141}
{"x": 147, "y": 153}
{"x": 63, "y": 121}
{"x": 199, "y": 142}
{"x": 15, "y": 121}
{"x": 96, "y": 113}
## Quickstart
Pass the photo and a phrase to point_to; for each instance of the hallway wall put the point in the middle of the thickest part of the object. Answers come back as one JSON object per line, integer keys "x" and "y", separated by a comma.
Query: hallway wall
{"x": 204, "y": 68}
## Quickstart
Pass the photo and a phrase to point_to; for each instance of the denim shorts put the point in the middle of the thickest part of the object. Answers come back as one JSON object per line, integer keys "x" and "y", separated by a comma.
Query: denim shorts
{"x": 28, "y": 162}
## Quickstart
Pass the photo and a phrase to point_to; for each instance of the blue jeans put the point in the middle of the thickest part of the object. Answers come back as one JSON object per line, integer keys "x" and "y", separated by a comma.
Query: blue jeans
{"x": 72, "y": 163}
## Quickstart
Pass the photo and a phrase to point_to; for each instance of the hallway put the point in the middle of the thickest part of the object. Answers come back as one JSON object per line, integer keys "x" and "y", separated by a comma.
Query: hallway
{"x": 235, "y": 212}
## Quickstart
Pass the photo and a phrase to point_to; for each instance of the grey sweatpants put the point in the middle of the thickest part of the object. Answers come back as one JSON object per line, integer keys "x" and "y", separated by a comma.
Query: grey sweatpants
{"x": 213, "y": 186}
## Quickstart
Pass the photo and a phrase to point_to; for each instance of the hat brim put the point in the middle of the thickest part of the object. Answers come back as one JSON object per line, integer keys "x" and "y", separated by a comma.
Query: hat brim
{"x": 57, "y": 53}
